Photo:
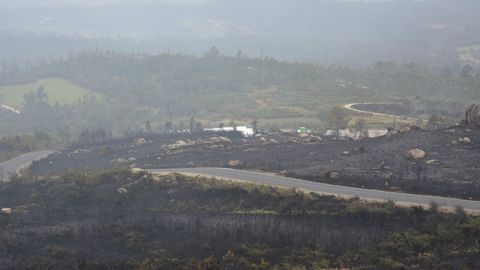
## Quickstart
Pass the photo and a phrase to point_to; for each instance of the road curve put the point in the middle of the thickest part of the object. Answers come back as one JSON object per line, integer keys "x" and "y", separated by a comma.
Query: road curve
{"x": 350, "y": 108}
{"x": 14, "y": 165}
{"x": 366, "y": 194}
{"x": 10, "y": 109}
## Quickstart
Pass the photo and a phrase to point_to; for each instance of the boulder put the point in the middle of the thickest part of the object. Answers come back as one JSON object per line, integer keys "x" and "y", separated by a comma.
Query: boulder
{"x": 273, "y": 141}
{"x": 225, "y": 140}
{"x": 464, "y": 140}
{"x": 215, "y": 139}
{"x": 6, "y": 211}
{"x": 122, "y": 190}
{"x": 431, "y": 162}
{"x": 180, "y": 144}
{"x": 416, "y": 153}
{"x": 235, "y": 163}
{"x": 220, "y": 140}
{"x": 391, "y": 132}
{"x": 472, "y": 115}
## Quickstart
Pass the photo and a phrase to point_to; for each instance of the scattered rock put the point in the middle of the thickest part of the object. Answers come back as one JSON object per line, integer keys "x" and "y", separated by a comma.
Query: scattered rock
{"x": 78, "y": 151}
{"x": 224, "y": 140}
{"x": 235, "y": 163}
{"x": 6, "y": 211}
{"x": 333, "y": 175}
{"x": 360, "y": 149}
{"x": 396, "y": 130}
{"x": 120, "y": 160}
{"x": 136, "y": 170}
{"x": 180, "y": 144}
{"x": 414, "y": 127}
{"x": 391, "y": 132}
{"x": 140, "y": 141}
{"x": 416, "y": 153}
{"x": 388, "y": 176}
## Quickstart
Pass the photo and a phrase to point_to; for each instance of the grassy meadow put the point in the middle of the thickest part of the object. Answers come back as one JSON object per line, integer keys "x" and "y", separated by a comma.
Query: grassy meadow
{"x": 58, "y": 90}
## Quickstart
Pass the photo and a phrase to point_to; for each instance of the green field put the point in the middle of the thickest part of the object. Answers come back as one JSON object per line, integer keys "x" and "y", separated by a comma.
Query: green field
{"x": 58, "y": 90}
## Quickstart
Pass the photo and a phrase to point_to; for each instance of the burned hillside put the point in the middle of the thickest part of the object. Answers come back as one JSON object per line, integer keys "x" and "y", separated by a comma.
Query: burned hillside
{"x": 134, "y": 221}
{"x": 448, "y": 164}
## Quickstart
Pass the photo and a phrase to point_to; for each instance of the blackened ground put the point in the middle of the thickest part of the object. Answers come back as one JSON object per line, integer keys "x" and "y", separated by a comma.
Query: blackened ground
{"x": 450, "y": 168}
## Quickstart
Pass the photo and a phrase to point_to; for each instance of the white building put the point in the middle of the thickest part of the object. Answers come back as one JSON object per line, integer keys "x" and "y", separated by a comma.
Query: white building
{"x": 353, "y": 134}
{"x": 246, "y": 131}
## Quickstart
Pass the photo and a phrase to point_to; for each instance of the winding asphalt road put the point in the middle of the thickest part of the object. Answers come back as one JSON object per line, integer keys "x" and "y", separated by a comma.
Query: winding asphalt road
{"x": 14, "y": 165}
{"x": 366, "y": 194}
{"x": 8, "y": 108}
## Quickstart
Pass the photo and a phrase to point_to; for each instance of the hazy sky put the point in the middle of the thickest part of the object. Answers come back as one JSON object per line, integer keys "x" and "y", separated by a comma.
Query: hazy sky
{"x": 23, "y": 3}
{"x": 45, "y": 3}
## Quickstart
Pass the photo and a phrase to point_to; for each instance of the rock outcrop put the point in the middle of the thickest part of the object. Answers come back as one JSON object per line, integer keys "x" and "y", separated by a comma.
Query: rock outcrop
{"x": 472, "y": 115}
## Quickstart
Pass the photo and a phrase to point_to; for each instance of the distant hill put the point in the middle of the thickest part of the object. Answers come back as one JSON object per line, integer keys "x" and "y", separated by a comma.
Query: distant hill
{"x": 320, "y": 31}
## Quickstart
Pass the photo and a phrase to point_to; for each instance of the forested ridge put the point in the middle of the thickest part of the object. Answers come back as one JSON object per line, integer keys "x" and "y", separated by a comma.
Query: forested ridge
{"x": 125, "y": 220}
{"x": 216, "y": 88}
